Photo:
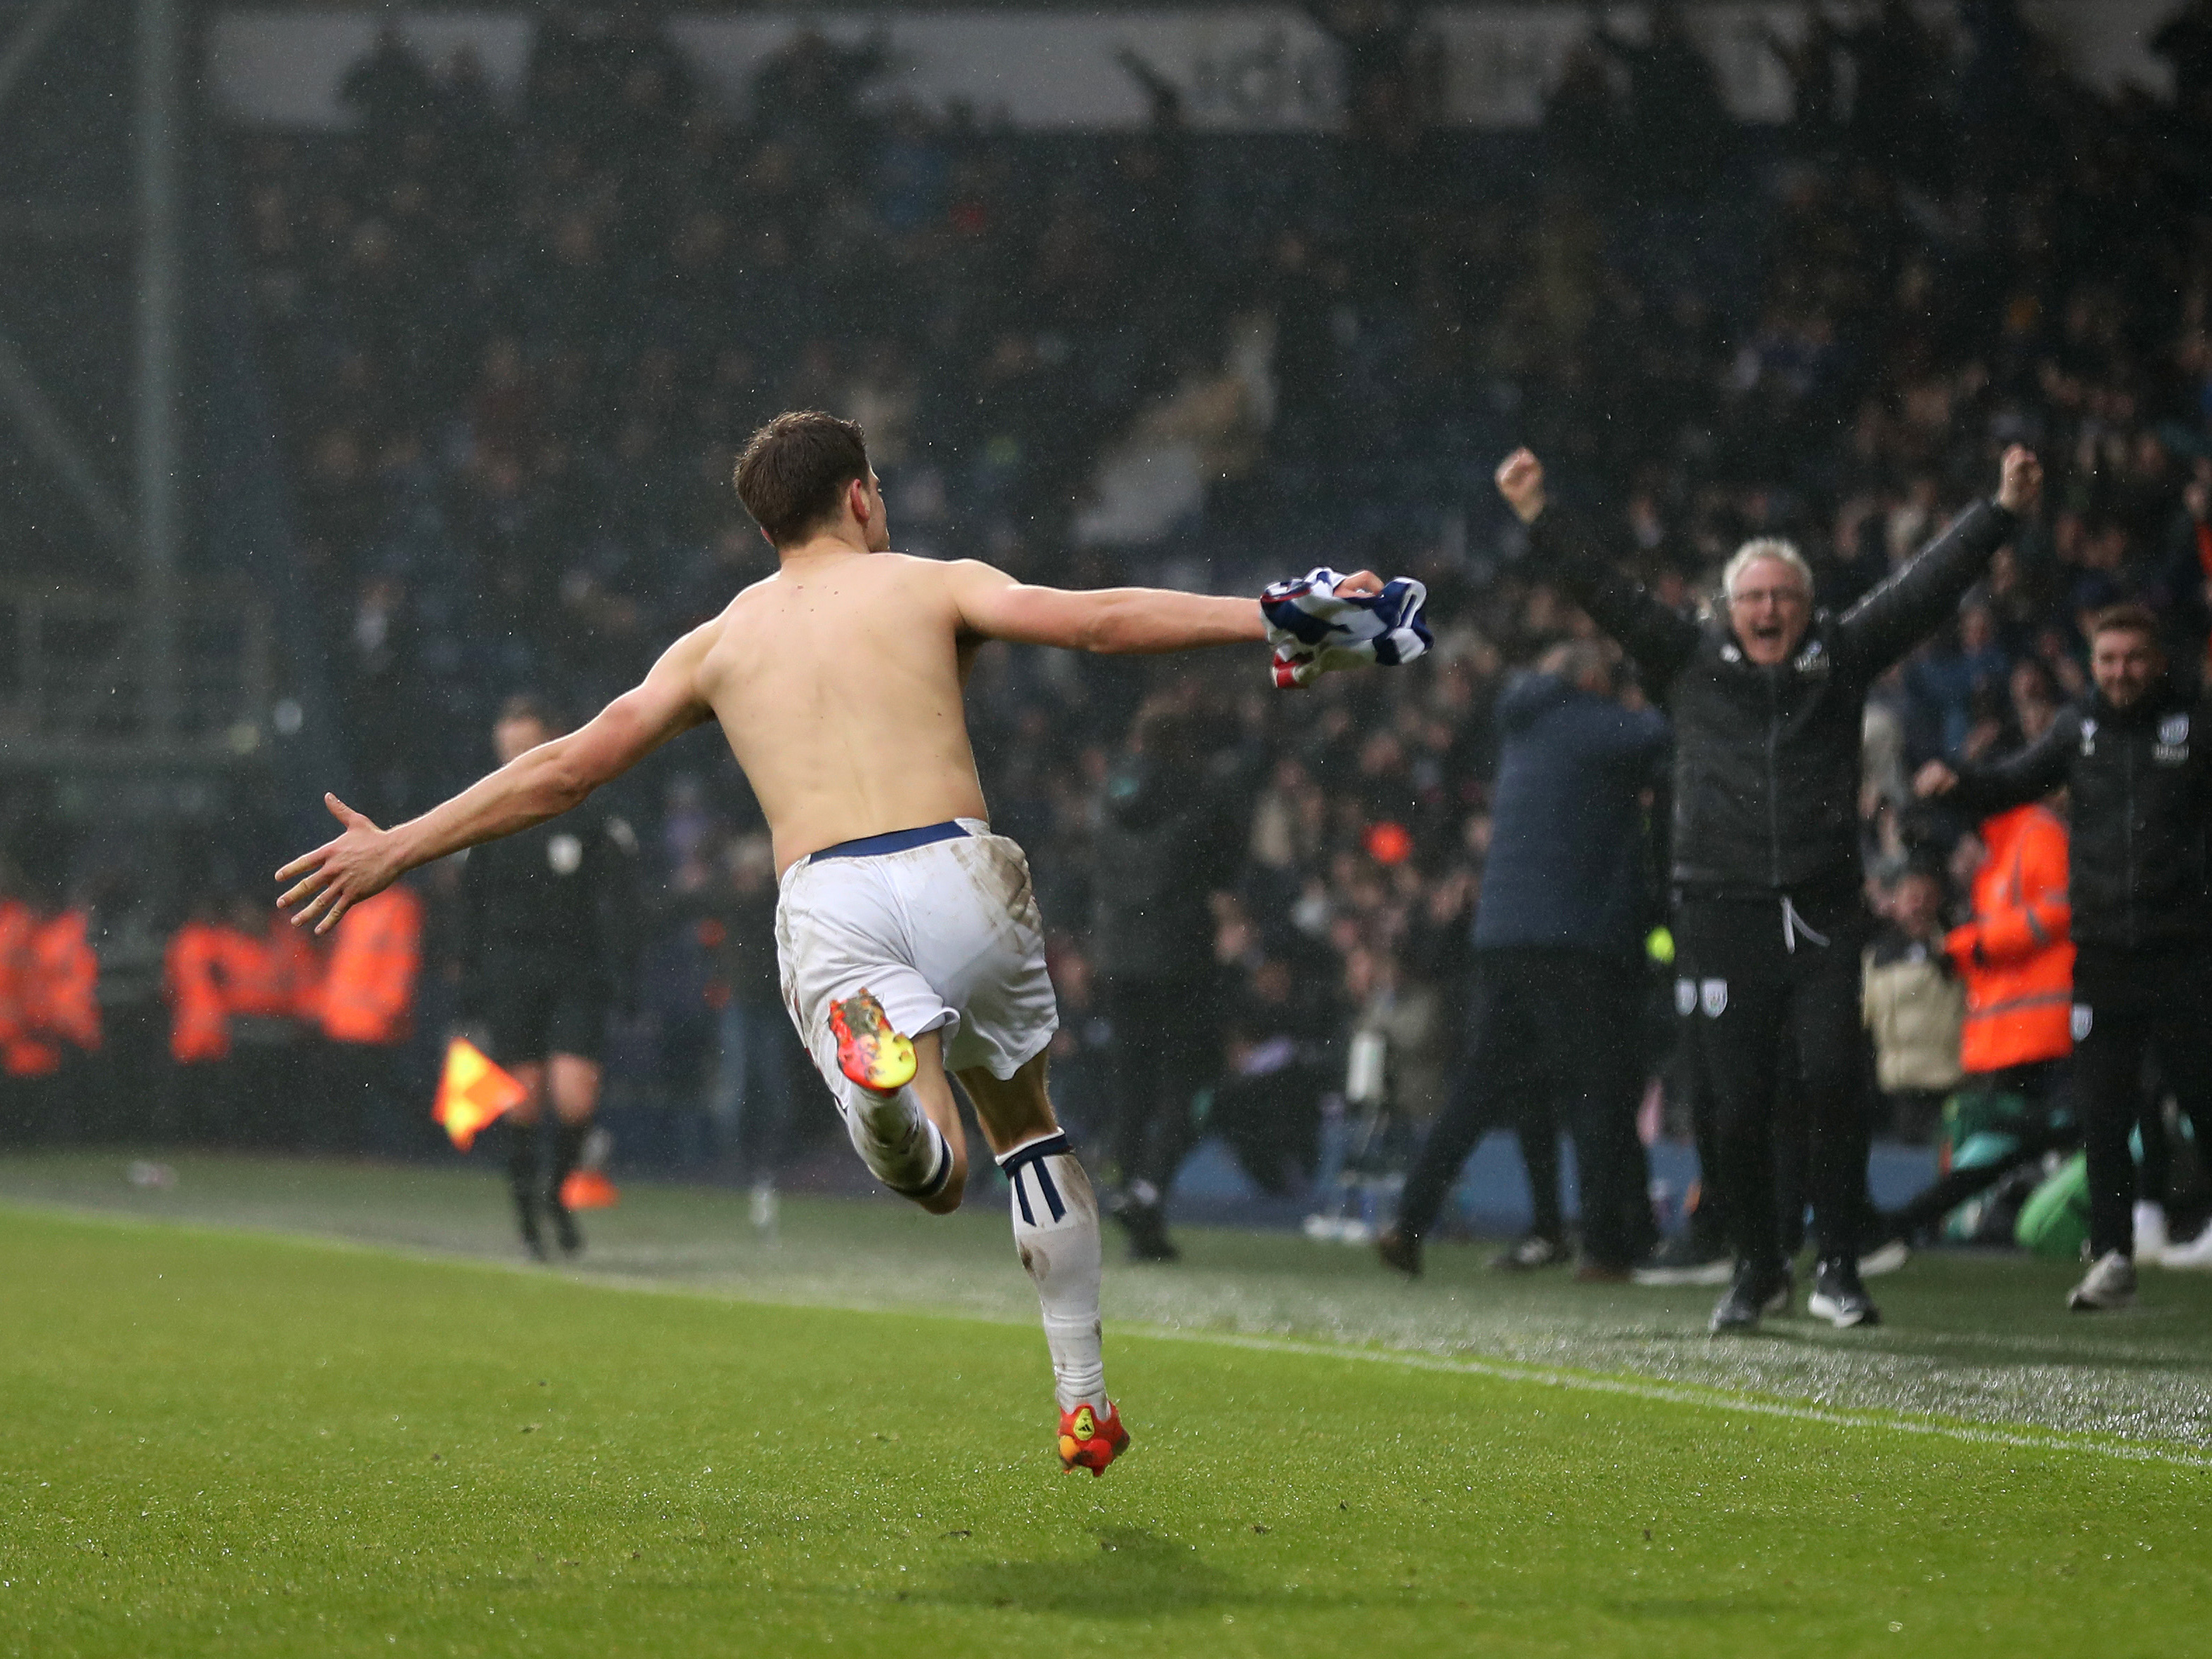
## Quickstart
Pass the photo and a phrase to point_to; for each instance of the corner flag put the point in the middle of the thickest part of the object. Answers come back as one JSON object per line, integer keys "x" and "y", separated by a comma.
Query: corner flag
{"x": 473, "y": 1092}
{"x": 589, "y": 1190}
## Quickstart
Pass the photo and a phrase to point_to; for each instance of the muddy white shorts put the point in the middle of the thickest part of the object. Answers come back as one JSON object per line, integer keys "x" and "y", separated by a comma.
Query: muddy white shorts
{"x": 941, "y": 924}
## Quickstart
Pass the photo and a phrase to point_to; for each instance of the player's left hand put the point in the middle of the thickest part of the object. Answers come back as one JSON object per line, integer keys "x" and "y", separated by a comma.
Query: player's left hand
{"x": 337, "y": 875}
{"x": 1360, "y": 582}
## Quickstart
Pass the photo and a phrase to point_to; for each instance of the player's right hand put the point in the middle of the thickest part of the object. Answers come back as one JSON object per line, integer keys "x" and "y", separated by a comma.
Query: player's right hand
{"x": 1521, "y": 481}
{"x": 1933, "y": 778}
{"x": 337, "y": 875}
{"x": 2020, "y": 479}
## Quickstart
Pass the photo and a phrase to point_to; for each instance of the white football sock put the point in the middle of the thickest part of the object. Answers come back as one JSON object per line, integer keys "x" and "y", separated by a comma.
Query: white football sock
{"x": 2150, "y": 1235}
{"x": 898, "y": 1142}
{"x": 1056, "y": 1235}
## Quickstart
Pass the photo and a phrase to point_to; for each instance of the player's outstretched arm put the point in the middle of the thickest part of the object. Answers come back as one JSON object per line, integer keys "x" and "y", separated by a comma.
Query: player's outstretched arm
{"x": 1117, "y": 620}
{"x": 546, "y": 782}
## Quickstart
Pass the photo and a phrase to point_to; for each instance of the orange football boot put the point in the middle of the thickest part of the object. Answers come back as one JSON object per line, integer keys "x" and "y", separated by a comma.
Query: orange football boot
{"x": 1088, "y": 1441}
{"x": 869, "y": 1051}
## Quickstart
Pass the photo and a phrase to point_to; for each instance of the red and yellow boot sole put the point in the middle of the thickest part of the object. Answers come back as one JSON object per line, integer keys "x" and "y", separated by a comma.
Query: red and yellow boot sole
{"x": 1088, "y": 1441}
{"x": 869, "y": 1051}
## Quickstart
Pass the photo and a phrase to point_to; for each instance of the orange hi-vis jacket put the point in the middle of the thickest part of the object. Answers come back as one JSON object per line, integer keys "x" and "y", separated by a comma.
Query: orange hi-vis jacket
{"x": 2016, "y": 955}
{"x": 273, "y": 975}
{"x": 368, "y": 991}
{"x": 52, "y": 990}
{"x": 191, "y": 980}
{"x": 17, "y": 926}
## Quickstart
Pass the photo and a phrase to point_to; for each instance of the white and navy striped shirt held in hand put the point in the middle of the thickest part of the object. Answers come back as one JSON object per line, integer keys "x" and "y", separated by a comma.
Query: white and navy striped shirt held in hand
{"x": 1315, "y": 630}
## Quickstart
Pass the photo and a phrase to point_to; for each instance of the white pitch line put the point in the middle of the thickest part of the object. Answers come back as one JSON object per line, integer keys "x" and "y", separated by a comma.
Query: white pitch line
{"x": 1676, "y": 1395}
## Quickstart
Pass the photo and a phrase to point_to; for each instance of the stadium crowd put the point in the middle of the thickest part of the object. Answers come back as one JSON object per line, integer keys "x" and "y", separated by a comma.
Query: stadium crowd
{"x": 516, "y": 349}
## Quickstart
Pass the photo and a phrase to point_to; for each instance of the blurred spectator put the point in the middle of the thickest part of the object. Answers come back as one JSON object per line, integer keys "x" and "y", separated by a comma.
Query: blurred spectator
{"x": 366, "y": 1012}
{"x": 1913, "y": 1001}
{"x": 201, "y": 1095}
{"x": 1679, "y": 127}
{"x": 49, "y": 1013}
{"x": 757, "y": 1053}
{"x": 1170, "y": 837}
{"x": 271, "y": 983}
{"x": 1559, "y": 942}
{"x": 2016, "y": 959}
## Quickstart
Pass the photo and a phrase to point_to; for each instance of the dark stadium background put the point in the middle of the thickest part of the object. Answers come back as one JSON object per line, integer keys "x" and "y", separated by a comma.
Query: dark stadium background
{"x": 352, "y": 382}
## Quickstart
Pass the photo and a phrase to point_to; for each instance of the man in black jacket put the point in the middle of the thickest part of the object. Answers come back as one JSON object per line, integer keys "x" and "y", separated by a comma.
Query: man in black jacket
{"x": 1170, "y": 834}
{"x": 1768, "y": 916}
{"x": 1559, "y": 944}
{"x": 2134, "y": 757}
{"x": 545, "y": 949}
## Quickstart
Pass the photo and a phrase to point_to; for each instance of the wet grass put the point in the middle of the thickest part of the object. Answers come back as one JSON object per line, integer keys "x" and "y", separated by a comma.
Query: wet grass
{"x": 1975, "y": 1336}
{"x": 223, "y": 1442}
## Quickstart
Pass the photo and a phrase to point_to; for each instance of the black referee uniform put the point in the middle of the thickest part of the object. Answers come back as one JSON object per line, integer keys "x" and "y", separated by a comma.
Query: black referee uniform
{"x": 1768, "y": 918}
{"x": 547, "y": 942}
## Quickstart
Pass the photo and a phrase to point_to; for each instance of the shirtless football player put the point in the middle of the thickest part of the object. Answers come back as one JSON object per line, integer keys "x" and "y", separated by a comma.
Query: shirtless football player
{"x": 907, "y": 935}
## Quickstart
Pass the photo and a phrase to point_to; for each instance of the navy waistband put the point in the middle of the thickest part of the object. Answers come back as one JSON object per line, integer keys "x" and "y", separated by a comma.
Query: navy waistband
{"x": 897, "y": 840}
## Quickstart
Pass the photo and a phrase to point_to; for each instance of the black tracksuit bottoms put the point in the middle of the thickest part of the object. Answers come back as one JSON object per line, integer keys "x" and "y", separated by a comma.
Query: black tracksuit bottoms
{"x": 1167, "y": 1047}
{"x": 2155, "y": 998}
{"x": 1754, "y": 973}
{"x": 1563, "y": 1024}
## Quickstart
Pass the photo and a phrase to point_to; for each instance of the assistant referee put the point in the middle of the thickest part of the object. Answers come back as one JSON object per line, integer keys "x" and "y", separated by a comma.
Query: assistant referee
{"x": 546, "y": 946}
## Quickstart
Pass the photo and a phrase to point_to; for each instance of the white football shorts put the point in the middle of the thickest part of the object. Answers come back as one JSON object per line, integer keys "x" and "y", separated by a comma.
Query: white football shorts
{"x": 945, "y": 935}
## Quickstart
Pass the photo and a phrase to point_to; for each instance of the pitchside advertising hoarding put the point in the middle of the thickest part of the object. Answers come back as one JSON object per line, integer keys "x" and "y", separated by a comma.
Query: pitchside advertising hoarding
{"x": 1240, "y": 70}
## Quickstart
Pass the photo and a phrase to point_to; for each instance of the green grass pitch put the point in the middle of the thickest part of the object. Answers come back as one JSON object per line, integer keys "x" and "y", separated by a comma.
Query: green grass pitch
{"x": 218, "y": 1435}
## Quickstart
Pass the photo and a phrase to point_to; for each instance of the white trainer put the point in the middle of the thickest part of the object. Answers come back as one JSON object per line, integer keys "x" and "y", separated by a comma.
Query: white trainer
{"x": 2150, "y": 1233}
{"x": 2110, "y": 1285}
{"x": 2197, "y": 1253}
{"x": 1885, "y": 1257}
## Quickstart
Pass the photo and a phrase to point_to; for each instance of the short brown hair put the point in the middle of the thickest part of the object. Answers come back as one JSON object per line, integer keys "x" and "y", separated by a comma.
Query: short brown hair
{"x": 2130, "y": 617}
{"x": 794, "y": 469}
{"x": 530, "y": 705}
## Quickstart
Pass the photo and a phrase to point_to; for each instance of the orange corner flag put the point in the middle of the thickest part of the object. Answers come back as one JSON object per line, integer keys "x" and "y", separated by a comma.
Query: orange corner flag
{"x": 472, "y": 1093}
{"x": 588, "y": 1189}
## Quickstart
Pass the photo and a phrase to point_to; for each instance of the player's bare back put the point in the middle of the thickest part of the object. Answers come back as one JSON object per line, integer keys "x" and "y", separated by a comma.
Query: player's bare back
{"x": 837, "y": 682}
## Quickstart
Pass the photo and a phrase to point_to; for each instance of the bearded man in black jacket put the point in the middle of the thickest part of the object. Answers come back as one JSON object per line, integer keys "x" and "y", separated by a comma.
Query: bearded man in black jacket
{"x": 1766, "y": 702}
{"x": 2134, "y": 757}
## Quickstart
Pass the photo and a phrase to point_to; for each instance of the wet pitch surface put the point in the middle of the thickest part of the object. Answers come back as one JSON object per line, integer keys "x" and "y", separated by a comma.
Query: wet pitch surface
{"x": 1974, "y": 1340}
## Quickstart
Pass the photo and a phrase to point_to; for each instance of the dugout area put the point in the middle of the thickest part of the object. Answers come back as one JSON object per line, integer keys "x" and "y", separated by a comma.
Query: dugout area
{"x": 297, "y": 1407}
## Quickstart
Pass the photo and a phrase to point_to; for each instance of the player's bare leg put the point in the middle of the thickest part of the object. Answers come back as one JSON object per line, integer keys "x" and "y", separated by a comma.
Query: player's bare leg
{"x": 907, "y": 1132}
{"x": 933, "y": 1091}
{"x": 1055, "y": 1217}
